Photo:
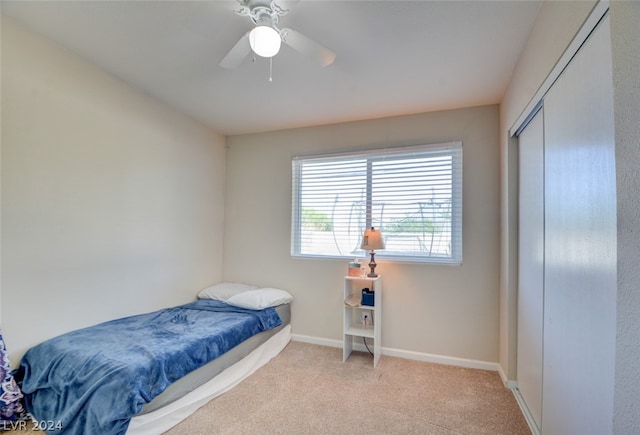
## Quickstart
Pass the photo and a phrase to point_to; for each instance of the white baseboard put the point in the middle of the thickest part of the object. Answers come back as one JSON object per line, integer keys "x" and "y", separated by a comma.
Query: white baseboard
{"x": 510, "y": 384}
{"x": 316, "y": 340}
{"x": 407, "y": 354}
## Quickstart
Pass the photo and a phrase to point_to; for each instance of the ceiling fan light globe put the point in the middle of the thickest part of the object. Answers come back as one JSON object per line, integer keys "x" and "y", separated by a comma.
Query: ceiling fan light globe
{"x": 265, "y": 41}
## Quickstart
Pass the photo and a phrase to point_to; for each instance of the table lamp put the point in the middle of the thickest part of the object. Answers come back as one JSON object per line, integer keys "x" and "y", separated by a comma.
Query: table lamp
{"x": 372, "y": 240}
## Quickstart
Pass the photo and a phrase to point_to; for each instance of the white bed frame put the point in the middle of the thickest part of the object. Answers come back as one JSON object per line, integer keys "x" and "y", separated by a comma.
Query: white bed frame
{"x": 168, "y": 416}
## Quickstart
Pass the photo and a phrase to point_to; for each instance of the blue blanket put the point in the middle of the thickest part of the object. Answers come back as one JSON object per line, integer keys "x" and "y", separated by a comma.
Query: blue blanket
{"x": 93, "y": 380}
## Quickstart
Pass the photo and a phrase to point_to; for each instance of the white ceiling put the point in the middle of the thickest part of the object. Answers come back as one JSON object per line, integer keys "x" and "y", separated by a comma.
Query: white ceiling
{"x": 393, "y": 57}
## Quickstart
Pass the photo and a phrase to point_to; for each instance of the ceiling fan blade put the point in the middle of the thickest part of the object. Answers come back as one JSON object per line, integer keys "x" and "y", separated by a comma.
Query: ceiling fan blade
{"x": 237, "y": 54}
{"x": 306, "y": 46}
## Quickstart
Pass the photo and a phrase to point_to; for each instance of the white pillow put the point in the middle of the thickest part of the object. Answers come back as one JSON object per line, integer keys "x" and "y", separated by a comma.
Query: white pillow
{"x": 224, "y": 290}
{"x": 260, "y": 298}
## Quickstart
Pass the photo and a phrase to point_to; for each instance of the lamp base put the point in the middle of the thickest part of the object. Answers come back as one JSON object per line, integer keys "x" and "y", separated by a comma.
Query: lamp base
{"x": 372, "y": 266}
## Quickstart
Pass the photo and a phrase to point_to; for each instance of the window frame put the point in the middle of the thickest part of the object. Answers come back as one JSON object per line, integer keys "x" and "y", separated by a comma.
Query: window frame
{"x": 453, "y": 149}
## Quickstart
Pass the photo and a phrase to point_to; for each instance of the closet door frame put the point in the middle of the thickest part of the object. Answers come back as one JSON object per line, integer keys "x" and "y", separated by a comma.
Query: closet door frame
{"x": 531, "y": 269}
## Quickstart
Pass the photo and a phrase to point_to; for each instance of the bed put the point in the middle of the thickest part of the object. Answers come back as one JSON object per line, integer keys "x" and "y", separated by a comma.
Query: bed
{"x": 144, "y": 374}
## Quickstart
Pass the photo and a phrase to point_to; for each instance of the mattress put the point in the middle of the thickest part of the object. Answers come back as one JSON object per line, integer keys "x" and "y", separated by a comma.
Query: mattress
{"x": 163, "y": 419}
{"x": 198, "y": 377}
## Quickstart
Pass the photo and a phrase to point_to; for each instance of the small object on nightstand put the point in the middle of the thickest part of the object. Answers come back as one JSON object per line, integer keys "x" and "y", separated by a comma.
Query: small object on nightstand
{"x": 368, "y": 297}
{"x": 352, "y": 300}
{"x": 366, "y": 320}
{"x": 354, "y": 268}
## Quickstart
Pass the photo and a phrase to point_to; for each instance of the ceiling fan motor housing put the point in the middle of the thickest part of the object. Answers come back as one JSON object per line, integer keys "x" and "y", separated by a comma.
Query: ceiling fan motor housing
{"x": 262, "y": 12}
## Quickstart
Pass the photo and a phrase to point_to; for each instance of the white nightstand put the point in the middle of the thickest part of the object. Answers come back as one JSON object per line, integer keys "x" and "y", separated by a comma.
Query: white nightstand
{"x": 354, "y": 326}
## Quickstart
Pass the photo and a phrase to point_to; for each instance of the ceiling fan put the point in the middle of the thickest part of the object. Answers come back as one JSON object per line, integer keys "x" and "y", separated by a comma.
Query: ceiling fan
{"x": 265, "y": 38}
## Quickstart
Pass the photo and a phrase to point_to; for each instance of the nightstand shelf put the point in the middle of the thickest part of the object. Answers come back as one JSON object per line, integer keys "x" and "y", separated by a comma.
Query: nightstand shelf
{"x": 362, "y": 321}
{"x": 359, "y": 331}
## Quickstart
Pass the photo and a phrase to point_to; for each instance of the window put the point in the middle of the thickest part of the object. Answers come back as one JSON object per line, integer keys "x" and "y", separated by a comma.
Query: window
{"x": 412, "y": 194}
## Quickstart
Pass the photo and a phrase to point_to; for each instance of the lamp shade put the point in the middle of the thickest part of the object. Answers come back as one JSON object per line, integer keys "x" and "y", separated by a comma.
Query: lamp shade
{"x": 265, "y": 41}
{"x": 372, "y": 240}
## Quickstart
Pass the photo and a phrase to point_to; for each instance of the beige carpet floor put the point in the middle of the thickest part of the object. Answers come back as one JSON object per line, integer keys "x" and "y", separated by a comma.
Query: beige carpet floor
{"x": 307, "y": 389}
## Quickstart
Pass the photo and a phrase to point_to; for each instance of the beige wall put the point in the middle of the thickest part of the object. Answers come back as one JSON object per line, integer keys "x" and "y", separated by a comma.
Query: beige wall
{"x": 556, "y": 25}
{"x": 442, "y": 310}
{"x": 112, "y": 204}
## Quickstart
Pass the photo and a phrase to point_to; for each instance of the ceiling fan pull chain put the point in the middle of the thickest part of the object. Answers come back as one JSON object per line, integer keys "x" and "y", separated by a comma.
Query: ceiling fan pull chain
{"x": 271, "y": 70}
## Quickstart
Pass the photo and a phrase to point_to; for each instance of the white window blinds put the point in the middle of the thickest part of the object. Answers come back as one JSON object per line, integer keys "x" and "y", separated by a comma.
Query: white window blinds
{"x": 413, "y": 195}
